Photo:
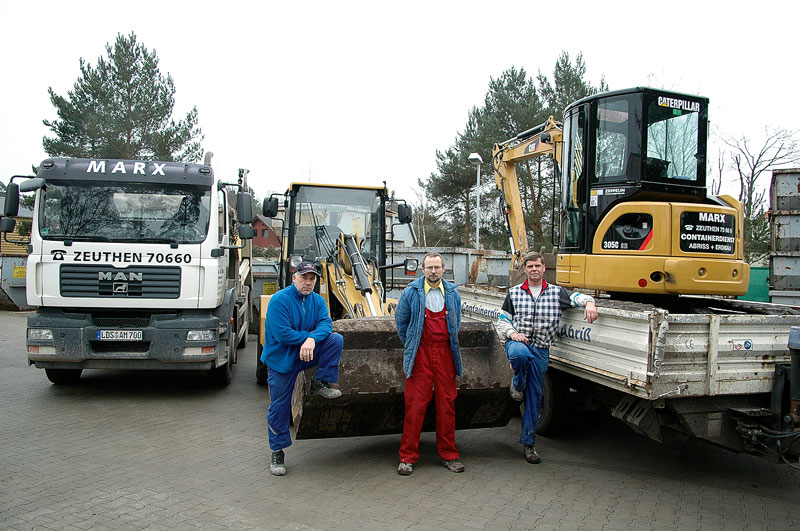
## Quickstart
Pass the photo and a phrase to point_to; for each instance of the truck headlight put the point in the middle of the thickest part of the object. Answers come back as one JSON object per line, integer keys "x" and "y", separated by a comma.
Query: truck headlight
{"x": 39, "y": 334}
{"x": 201, "y": 335}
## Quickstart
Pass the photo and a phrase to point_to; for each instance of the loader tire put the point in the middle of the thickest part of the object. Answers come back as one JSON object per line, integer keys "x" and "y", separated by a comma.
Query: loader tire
{"x": 262, "y": 372}
{"x": 555, "y": 402}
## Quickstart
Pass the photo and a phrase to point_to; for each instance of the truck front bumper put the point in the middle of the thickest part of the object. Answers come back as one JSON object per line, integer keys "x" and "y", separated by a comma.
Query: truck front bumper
{"x": 76, "y": 340}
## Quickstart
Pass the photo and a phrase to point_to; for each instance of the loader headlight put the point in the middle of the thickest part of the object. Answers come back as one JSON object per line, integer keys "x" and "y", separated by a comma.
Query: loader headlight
{"x": 201, "y": 335}
{"x": 295, "y": 260}
{"x": 39, "y": 334}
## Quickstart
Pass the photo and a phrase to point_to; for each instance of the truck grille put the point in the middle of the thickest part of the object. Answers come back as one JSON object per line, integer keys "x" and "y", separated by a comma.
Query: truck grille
{"x": 147, "y": 282}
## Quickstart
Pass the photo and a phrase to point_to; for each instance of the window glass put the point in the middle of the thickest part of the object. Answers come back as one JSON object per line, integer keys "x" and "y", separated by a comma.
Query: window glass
{"x": 129, "y": 212}
{"x": 573, "y": 180}
{"x": 672, "y": 141}
{"x": 612, "y": 139}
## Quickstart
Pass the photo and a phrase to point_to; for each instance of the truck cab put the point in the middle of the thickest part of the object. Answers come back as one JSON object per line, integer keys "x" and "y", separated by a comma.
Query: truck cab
{"x": 133, "y": 264}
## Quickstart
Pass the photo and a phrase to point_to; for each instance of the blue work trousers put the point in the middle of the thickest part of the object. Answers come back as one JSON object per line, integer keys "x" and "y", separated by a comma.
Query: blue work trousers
{"x": 529, "y": 365}
{"x": 327, "y": 354}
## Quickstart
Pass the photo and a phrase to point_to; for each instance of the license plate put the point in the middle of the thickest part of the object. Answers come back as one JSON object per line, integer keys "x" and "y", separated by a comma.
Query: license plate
{"x": 119, "y": 335}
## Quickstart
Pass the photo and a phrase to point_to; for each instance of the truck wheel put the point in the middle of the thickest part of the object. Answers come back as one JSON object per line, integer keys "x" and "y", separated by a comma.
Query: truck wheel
{"x": 554, "y": 405}
{"x": 262, "y": 371}
{"x": 243, "y": 341}
{"x": 63, "y": 376}
{"x": 222, "y": 374}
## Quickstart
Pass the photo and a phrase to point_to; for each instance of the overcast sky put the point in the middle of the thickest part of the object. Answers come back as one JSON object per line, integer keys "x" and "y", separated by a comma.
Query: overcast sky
{"x": 365, "y": 92}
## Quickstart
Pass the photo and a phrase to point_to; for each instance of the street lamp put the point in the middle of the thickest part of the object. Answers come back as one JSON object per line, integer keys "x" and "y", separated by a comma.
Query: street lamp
{"x": 477, "y": 161}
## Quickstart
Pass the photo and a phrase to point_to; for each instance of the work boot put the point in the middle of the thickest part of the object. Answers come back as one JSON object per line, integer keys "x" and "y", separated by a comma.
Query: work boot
{"x": 453, "y": 465}
{"x": 515, "y": 393}
{"x": 405, "y": 469}
{"x": 531, "y": 456}
{"x": 276, "y": 466}
{"x": 324, "y": 389}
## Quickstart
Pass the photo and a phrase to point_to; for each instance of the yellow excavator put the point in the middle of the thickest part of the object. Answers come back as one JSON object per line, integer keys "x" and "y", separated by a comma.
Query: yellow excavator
{"x": 343, "y": 230}
{"x": 634, "y": 216}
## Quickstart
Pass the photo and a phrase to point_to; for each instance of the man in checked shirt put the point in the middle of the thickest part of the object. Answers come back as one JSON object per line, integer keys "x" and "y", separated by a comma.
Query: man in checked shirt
{"x": 528, "y": 322}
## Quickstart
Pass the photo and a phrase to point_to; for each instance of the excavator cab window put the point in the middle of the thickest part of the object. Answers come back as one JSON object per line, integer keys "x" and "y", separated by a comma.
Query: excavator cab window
{"x": 613, "y": 142}
{"x": 573, "y": 188}
{"x": 675, "y": 138}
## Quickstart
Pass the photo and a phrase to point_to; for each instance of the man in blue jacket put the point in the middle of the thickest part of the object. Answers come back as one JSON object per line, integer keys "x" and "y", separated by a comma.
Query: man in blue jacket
{"x": 428, "y": 317}
{"x": 297, "y": 336}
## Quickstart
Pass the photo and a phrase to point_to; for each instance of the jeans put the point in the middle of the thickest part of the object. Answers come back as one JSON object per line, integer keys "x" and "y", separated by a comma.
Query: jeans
{"x": 327, "y": 354}
{"x": 529, "y": 365}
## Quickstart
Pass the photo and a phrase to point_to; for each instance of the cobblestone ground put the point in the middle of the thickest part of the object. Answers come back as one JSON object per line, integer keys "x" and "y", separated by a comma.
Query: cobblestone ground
{"x": 147, "y": 450}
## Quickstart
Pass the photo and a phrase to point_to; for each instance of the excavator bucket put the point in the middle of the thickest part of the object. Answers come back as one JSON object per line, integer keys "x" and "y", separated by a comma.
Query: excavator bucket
{"x": 372, "y": 382}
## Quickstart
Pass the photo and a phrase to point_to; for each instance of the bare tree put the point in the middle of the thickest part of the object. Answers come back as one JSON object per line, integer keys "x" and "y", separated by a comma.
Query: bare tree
{"x": 780, "y": 148}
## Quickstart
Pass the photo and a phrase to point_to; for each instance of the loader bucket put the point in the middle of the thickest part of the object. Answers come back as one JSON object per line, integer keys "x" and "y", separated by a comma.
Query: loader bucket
{"x": 372, "y": 382}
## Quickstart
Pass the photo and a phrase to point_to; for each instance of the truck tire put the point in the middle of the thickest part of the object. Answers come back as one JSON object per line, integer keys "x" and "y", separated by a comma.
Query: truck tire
{"x": 222, "y": 375}
{"x": 555, "y": 396}
{"x": 262, "y": 371}
{"x": 245, "y": 337}
{"x": 63, "y": 376}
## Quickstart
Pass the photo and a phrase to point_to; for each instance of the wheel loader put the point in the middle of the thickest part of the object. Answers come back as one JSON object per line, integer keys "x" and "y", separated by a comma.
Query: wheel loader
{"x": 343, "y": 230}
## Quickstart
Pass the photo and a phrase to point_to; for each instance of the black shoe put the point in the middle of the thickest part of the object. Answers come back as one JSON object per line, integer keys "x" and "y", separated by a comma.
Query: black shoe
{"x": 276, "y": 467}
{"x": 531, "y": 456}
{"x": 405, "y": 469}
{"x": 324, "y": 389}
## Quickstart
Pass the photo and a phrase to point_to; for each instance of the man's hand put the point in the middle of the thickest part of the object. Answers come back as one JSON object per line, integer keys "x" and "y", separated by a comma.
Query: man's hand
{"x": 590, "y": 312}
{"x": 307, "y": 349}
{"x": 516, "y": 336}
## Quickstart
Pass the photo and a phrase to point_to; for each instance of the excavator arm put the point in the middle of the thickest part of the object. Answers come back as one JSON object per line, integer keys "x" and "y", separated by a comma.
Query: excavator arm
{"x": 542, "y": 140}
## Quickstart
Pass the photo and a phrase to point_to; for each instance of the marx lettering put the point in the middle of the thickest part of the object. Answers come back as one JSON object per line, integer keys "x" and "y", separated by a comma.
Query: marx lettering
{"x": 711, "y": 217}
{"x": 99, "y": 166}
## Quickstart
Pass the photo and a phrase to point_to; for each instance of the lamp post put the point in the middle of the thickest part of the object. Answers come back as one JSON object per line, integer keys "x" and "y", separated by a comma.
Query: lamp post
{"x": 477, "y": 161}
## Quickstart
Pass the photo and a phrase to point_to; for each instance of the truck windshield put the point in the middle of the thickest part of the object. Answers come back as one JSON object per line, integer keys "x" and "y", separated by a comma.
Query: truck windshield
{"x": 673, "y": 139}
{"x": 322, "y": 214}
{"x": 129, "y": 212}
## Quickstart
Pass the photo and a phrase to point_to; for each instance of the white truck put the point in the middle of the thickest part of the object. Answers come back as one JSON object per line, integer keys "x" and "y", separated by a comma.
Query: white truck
{"x": 709, "y": 368}
{"x": 134, "y": 265}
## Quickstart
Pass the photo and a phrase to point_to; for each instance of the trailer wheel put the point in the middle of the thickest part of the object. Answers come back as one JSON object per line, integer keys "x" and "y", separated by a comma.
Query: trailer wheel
{"x": 63, "y": 376}
{"x": 554, "y": 405}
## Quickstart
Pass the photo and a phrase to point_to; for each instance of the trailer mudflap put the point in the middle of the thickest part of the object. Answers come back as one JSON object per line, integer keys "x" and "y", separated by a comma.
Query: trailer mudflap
{"x": 372, "y": 381}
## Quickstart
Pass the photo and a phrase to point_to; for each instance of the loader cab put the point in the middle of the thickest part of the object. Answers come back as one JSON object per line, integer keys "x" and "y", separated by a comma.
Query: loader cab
{"x": 631, "y": 145}
{"x": 318, "y": 214}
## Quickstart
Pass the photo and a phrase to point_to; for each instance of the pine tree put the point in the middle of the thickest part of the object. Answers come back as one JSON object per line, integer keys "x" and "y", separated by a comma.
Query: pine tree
{"x": 122, "y": 108}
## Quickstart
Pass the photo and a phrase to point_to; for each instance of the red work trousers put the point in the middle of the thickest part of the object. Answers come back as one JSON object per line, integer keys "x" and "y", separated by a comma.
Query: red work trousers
{"x": 433, "y": 374}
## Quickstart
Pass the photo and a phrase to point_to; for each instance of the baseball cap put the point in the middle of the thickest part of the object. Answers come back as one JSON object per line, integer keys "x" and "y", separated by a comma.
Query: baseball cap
{"x": 306, "y": 267}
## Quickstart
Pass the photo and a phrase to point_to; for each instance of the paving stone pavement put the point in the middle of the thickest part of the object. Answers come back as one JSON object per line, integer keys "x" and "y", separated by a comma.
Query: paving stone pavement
{"x": 168, "y": 450}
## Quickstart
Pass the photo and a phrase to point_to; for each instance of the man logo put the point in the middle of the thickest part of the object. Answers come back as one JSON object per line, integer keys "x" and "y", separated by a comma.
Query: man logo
{"x": 120, "y": 287}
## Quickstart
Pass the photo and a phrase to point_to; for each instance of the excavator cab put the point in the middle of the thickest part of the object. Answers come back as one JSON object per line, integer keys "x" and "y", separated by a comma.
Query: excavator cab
{"x": 635, "y": 215}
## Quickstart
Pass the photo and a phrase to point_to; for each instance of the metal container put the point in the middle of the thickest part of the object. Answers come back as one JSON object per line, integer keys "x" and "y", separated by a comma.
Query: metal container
{"x": 784, "y": 278}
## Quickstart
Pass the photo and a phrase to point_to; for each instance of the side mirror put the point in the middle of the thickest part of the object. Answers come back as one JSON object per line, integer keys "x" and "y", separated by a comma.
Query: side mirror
{"x": 31, "y": 185}
{"x": 8, "y": 224}
{"x": 404, "y": 213}
{"x": 244, "y": 207}
{"x": 246, "y": 232}
{"x": 11, "y": 207}
{"x": 270, "y": 208}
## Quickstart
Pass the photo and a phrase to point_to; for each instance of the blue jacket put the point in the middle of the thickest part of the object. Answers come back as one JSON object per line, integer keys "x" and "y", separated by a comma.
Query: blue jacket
{"x": 291, "y": 319}
{"x": 409, "y": 316}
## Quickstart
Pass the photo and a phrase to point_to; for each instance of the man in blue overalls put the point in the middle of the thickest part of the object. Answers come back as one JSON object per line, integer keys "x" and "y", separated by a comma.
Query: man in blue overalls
{"x": 297, "y": 336}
